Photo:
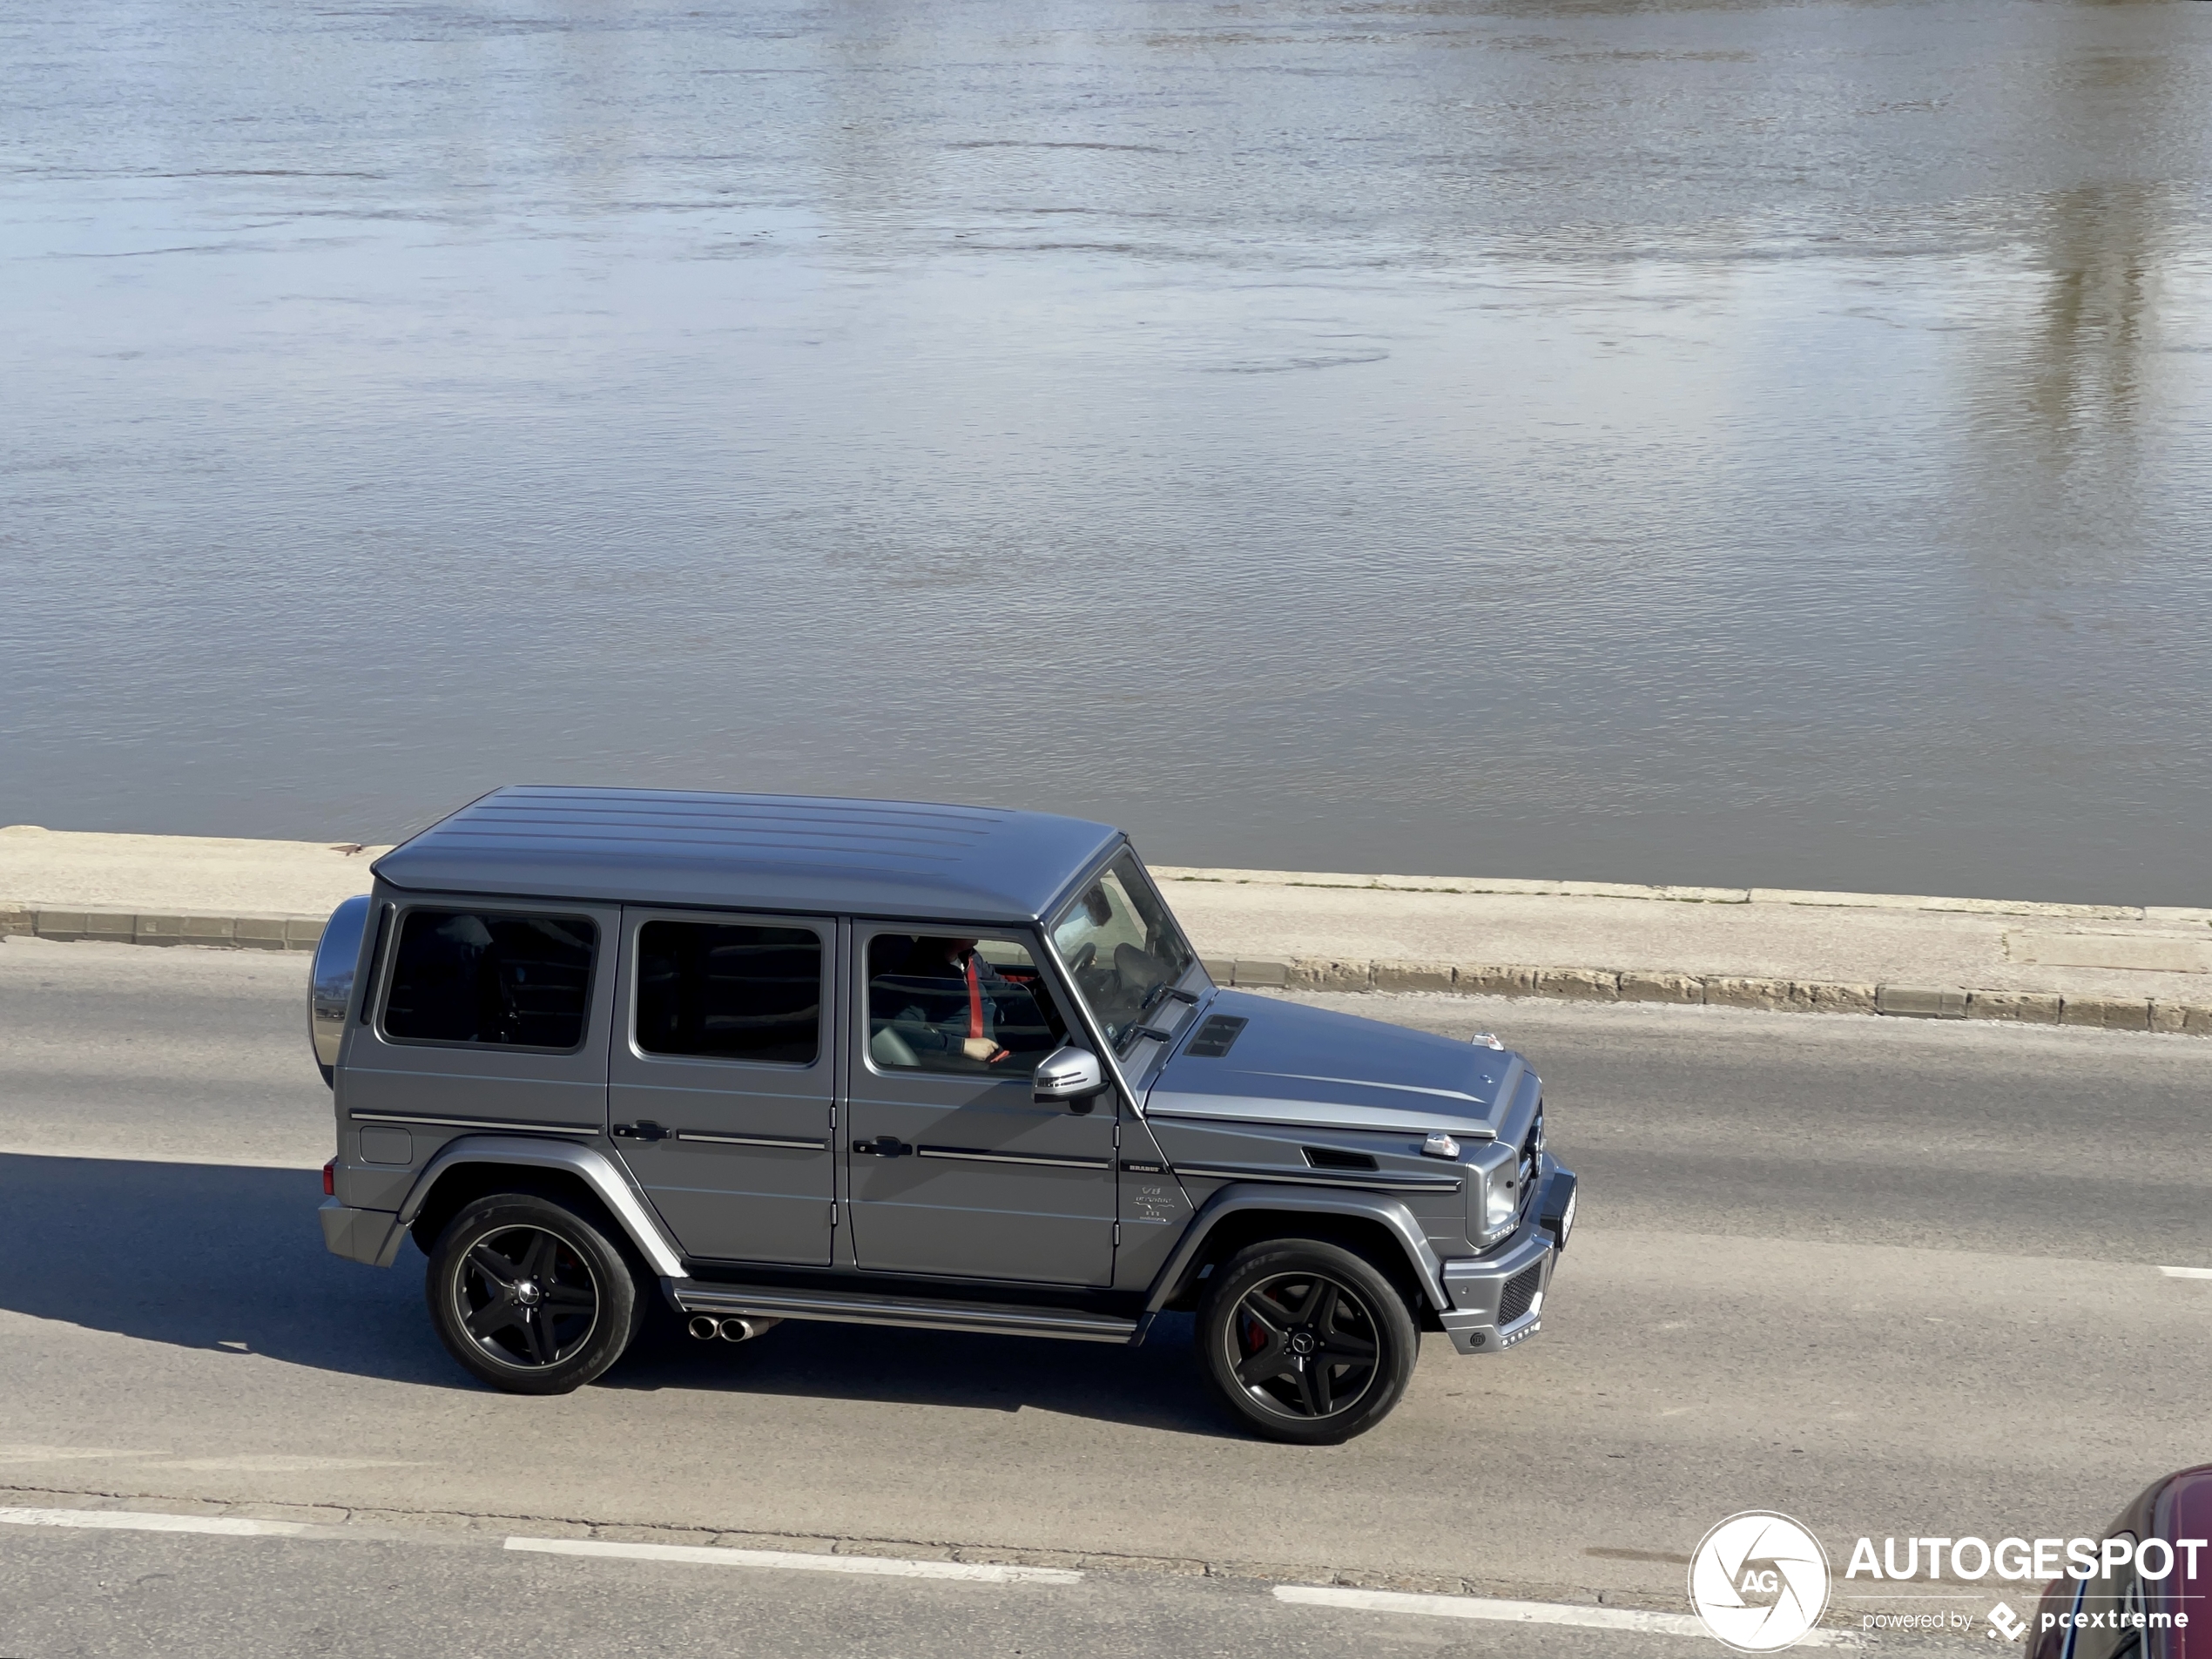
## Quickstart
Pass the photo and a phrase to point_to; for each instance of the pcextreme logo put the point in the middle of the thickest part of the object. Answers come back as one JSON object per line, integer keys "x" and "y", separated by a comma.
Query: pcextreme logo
{"x": 1759, "y": 1581}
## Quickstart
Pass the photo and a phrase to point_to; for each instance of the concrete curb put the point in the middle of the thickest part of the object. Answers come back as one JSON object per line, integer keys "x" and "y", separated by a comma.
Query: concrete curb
{"x": 1717, "y": 990}
{"x": 1314, "y": 973}
{"x": 130, "y": 928}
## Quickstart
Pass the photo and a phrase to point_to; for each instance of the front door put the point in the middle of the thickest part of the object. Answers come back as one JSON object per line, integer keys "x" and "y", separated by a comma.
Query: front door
{"x": 722, "y": 1086}
{"x": 956, "y": 1169}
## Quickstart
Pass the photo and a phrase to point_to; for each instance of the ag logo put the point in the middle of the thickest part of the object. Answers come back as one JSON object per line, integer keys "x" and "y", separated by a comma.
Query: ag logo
{"x": 1759, "y": 1581}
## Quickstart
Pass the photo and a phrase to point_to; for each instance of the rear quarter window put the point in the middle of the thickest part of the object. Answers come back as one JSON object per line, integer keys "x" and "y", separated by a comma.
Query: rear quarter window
{"x": 497, "y": 977}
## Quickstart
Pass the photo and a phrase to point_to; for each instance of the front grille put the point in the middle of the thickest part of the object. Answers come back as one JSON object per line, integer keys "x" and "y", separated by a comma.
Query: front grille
{"x": 1519, "y": 1292}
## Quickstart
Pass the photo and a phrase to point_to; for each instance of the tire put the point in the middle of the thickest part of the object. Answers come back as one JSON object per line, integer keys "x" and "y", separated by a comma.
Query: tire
{"x": 1306, "y": 1342}
{"x": 531, "y": 1297}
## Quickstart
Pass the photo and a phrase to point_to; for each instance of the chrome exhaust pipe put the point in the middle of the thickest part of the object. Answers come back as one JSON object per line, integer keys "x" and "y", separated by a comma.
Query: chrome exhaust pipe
{"x": 745, "y": 1329}
{"x": 703, "y": 1327}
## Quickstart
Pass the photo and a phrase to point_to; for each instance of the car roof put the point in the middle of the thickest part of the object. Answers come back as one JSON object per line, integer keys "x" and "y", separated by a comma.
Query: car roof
{"x": 815, "y": 853}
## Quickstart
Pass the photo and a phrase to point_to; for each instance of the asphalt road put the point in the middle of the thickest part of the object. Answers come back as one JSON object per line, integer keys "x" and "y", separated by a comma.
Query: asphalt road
{"x": 1890, "y": 1278}
{"x": 68, "y": 1595}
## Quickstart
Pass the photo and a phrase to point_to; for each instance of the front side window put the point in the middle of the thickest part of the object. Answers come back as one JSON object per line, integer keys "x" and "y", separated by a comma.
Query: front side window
{"x": 521, "y": 982}
{"x": 725, "y": 992}
{"x": 973, "y": 1006}
{"x": 1122, "y": 948}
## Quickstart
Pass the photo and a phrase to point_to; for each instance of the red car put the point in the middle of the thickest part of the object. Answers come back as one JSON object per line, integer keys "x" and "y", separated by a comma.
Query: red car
{"x": 2150, "y": 1595}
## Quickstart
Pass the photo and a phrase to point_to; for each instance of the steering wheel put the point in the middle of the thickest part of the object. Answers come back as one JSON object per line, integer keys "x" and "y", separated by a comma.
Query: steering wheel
{"x": 1084, "y": 957}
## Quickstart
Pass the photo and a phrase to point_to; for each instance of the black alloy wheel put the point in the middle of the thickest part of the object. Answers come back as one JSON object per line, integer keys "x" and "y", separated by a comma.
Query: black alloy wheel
{"x": 527, "y": 1298}
{"x": 530, "y": 1296}
{"x": 1307, "y": 1341}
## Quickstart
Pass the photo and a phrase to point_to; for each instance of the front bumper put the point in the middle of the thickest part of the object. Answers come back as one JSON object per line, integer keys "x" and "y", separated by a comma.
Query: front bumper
{"x": 371, "y": 1237}
{"x": 1498, "y": 1299}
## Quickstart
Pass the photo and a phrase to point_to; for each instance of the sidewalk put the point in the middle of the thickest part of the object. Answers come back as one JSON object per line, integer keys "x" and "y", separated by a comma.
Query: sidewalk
{"x": 2108, "y": 965}
{"x": 1751, "y": 948}
{"x": 64, "y": 869}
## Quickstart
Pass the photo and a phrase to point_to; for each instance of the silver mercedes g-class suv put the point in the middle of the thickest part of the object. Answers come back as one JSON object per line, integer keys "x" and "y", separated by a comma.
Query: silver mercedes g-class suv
{"x": 777, "y": 1058}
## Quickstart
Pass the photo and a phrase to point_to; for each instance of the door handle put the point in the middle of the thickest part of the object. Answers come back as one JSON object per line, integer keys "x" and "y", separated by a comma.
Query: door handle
{"x": 645, "y": 1131}
{"x": 884, "y": 1146}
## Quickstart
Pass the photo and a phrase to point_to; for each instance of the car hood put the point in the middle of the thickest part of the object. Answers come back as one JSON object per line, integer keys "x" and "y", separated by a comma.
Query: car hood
{"x": 1294, "y": 1065}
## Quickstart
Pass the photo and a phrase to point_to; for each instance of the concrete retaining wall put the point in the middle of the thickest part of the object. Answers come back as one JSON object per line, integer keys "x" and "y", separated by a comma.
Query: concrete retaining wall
{"x": 130, "y": 928}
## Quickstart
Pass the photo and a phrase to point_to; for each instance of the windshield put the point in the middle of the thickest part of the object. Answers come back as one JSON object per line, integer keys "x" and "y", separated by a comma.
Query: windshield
{"x": 1122, "y": 948}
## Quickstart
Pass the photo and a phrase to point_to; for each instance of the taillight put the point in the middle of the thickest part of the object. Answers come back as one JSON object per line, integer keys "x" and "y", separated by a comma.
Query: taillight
{"x": 330, "y": 1179}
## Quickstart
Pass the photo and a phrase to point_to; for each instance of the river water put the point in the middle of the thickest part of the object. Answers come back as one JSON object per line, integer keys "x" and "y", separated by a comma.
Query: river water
{"x": 1728, "y": 442}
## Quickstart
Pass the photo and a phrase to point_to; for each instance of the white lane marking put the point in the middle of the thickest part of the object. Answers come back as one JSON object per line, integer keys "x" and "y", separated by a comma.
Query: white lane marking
{"x": 131, "y": 1521}
{"x": 19, "y": 1452}
{"x": 271, "y": 1464}
{"x": 2187, "y": 1273}
{"x": 1483, "y": 1607}
{"x": 975, "y": 1572}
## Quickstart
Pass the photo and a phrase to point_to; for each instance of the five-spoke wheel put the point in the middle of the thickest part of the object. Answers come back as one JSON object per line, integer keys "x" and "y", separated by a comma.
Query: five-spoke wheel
{"x": 526, "y": 1299}
{"x": 1305, "y": 1340}
{"x": 531, "y": 1296}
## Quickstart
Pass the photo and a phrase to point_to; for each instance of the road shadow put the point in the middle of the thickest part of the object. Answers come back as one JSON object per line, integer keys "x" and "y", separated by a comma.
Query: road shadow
{"x": 1154, "y": 1386}
{"x": 198, "y": 1255}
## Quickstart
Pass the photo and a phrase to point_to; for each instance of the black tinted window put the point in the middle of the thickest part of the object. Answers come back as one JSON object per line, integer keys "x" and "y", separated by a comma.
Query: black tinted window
{"x": 729, "y": 992}
{"x": 471, "y": 976}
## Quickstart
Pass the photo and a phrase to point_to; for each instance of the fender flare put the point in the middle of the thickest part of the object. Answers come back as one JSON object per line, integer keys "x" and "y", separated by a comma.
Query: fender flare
{"x": 594, "y": 1167}
{"x": 1252, "y": 1194}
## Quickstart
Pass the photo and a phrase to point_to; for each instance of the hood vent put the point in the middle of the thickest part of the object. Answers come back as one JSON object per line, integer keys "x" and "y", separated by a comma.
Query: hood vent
{"x": 1215, "y": 1037}
{"x": 1330, "y": 1157}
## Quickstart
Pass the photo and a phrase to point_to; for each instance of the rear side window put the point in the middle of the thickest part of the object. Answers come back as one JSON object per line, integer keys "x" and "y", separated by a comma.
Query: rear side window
{"x": 521, "y": 982}
{"x": 730, "y": 992}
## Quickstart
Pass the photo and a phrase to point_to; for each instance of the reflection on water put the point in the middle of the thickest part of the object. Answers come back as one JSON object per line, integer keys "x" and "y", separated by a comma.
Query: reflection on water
{"x": 1720, "y": 444}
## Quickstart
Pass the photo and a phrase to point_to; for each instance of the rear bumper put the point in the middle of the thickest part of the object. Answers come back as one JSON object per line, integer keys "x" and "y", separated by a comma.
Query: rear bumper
{"x": 1498, "y": 1299}
{"x": 371, "y": 1237}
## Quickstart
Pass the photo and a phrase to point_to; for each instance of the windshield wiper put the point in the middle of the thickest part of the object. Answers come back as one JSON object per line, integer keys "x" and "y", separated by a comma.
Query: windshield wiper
{"x": 1166, "y": 988}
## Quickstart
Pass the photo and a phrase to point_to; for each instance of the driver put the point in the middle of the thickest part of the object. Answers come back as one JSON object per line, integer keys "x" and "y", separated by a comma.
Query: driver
{"x": 958, "y": 959}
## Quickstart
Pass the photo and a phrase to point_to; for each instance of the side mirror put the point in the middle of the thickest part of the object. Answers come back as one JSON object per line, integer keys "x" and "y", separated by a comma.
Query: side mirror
{"x": 1069, "y": 1074}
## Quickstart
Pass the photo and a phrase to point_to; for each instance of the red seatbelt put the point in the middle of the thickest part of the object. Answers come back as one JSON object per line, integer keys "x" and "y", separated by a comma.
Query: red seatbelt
{"x": 974, "y": 999}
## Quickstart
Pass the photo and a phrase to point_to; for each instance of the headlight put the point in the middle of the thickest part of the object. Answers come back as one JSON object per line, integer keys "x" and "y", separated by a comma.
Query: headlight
{"x": 1501, "y": 1201}
{"x": 1493, "y": 1193}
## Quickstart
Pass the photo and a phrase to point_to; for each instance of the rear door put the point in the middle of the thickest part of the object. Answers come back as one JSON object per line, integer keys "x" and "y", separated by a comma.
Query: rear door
{"x": 722, "y": 1082}
{"x": 954, "y": 1167}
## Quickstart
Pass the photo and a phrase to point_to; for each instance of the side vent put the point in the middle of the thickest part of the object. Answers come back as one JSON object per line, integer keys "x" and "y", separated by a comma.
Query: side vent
{"x": 1330, "y": 1157}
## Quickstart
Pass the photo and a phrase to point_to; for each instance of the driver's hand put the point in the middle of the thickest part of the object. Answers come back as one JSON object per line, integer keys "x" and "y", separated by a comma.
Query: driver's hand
{"x": 980, "y": 1049}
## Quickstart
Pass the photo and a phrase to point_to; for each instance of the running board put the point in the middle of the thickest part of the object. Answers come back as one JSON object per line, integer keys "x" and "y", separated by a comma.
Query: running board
{"x": 695, "y": 1295}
